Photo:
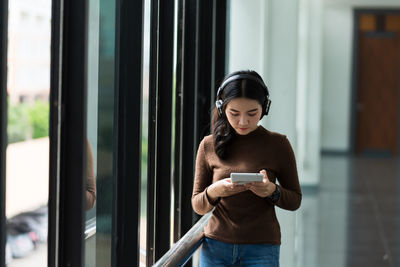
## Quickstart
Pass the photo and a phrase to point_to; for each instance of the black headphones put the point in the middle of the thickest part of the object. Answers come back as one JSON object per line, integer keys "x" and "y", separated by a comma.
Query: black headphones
{"x": 243, "y": 76}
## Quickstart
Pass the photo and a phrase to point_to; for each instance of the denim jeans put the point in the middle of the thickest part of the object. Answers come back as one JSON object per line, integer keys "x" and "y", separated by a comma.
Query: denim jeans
{"x": 217, "y": 254}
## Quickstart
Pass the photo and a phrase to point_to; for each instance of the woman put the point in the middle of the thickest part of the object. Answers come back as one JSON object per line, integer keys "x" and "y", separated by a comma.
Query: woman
{"x": 243, "y": 230}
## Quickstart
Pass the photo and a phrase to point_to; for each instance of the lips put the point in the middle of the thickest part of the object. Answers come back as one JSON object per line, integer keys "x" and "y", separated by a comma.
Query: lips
{"x": 243, "y": 129}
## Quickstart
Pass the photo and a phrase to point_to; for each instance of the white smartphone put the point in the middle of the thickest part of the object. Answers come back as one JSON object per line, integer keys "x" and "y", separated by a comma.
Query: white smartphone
{"x": 243, "y": 178}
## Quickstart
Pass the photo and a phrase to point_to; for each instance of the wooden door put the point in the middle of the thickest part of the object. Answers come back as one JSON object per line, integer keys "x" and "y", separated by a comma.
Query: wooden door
{"x": 378, "y": 92}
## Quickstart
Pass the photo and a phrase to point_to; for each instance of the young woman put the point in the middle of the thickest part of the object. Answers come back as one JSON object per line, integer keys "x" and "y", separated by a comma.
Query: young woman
{"x": 243, "y": 230}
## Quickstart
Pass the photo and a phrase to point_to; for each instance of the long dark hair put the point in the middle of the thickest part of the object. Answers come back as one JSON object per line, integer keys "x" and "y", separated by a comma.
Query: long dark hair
{"x": 223, "y": 133}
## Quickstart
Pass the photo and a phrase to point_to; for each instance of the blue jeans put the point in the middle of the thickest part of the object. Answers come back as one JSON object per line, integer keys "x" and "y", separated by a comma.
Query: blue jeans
{"x": 217, "y": 254}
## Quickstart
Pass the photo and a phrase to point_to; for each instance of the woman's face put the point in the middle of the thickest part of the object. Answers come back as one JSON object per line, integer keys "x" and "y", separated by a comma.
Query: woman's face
{"x": 243, "y": 114}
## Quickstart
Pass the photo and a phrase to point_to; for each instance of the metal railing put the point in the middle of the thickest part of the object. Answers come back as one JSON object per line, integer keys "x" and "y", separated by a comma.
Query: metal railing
{"x": 183, "y": 250}
{"x": 90, "y": 228}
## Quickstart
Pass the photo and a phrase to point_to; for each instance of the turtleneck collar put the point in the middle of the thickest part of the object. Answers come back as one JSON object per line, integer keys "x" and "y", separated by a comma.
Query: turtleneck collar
{"x": 254, "y": 133}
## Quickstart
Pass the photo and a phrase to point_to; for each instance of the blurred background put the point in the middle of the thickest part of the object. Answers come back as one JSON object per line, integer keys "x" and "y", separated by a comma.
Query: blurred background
{"x": 333, "y": 71}
{"x": 28, "y": 89}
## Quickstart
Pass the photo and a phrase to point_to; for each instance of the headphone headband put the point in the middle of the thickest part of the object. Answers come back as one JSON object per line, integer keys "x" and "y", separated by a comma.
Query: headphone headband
{"x": 243, "y": 76}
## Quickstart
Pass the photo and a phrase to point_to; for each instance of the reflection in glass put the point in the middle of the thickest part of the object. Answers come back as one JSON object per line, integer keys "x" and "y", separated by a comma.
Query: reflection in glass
{"x": 145, "y": 124}
{"x": 90, "y": 184}
{"x": 92, "y": 117}
{"x": 100, "y": 114}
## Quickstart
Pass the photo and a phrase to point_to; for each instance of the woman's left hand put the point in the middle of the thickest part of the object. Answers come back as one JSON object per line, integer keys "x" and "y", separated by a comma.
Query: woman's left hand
{"x": 262, "y": 189}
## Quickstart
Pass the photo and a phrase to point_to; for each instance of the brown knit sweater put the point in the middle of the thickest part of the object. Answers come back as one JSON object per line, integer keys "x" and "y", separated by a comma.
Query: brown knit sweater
{"x": 246, "y": 218}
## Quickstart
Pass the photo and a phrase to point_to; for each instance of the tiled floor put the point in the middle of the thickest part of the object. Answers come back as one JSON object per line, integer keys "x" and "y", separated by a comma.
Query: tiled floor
{"x": 353, "y": 219}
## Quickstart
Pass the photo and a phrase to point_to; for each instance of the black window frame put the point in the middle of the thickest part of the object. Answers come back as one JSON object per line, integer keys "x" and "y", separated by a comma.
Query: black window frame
{"x": 197, "y": 74}
{"x": 128, "y": 118}
{"x": 200, "y": 59}
{"x": 3, "y": 125}
{"x": 195, "y": 93}
{"x": 160, "y": 129}
{"x": 68, "y": 132}
{"x": 196, "y": 37}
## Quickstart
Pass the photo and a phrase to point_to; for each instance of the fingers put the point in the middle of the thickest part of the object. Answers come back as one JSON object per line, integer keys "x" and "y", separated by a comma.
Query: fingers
{"x": 237, "y": 187}
{"x": 230, "y": 184}
{"x": 259, "y": 185}
{"x": 261, "y": 189}
{"x": 228, "y": 188}
{"x": 233, "y": 189}
{"x": 264, "y": 172}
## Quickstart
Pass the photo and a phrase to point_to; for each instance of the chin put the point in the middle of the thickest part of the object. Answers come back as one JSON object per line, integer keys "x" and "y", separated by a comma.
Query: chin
{"x": 241, "y": 132}
{"x": 245, "y": 132}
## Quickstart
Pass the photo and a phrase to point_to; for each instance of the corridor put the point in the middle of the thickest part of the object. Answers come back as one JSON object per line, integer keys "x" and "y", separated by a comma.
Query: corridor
{"x": 353, "y": 219}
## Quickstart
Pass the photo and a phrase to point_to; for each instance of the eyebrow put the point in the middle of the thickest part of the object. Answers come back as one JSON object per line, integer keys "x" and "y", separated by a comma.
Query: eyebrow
{"x": 251, "y": 110}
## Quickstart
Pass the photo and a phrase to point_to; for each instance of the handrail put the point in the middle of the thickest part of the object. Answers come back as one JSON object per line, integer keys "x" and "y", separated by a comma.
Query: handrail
{"x": 90, "y": 228}
{"x": 183, "y": 250}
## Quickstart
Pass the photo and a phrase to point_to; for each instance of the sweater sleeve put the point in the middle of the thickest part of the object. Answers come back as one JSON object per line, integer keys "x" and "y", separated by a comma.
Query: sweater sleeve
{"x": 291, "y": 196}
{"x": 203, "y": 178}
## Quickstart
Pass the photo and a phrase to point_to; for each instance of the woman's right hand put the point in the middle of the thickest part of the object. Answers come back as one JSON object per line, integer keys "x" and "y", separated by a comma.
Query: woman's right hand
{"x": 224, "y": 188}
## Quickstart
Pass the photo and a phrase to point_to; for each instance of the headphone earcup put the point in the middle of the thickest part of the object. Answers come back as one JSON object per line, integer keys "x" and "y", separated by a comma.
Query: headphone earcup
{"x": 267, "y": 106}
{"x": 219, "y": 104}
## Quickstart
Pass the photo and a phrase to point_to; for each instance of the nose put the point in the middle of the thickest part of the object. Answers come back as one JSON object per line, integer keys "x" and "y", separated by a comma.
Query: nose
{"x": 243, "y": 120}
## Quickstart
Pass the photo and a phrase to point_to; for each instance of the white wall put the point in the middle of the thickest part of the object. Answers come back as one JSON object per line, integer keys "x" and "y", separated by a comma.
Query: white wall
{"x": 263, "y": 37}
{"x": 337, "y": 67}
{"x": 309, "y": 65}
{"x": 281, "y": 71}
{"x": 246, "y": 32}
{"x": 27, "y": 184}
{"x": 281, "y": 67}
{"x": 266, "y": 42}
{"x": 271, "y": 38}
{"x": 308, "y": 69}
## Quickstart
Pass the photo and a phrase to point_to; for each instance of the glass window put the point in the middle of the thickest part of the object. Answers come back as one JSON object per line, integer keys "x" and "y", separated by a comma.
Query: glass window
{"x": 145, "y": 123}
{"x": 91, "y": 193}
{"x": 100, "y": 125}
{"x": 28, "y": 87}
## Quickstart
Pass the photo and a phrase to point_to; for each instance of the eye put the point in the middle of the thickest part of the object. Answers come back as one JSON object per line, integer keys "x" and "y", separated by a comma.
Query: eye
{"x": 252, "y": 114}
{"x": 234, "y": 114}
